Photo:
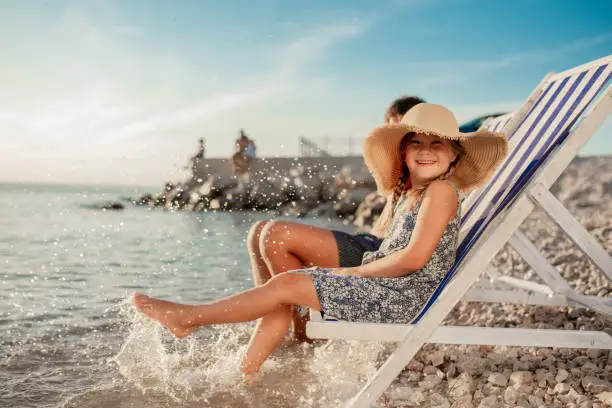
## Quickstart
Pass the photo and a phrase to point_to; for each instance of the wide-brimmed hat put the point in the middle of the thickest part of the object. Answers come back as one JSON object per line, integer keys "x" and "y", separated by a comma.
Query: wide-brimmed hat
{"x": 483, "y": 150}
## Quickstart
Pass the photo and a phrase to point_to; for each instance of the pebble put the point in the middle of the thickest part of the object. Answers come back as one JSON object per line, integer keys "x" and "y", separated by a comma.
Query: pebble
{"x": 521, "y": 378}
{"x": 438, "y": 401}
{"x": 596, "y": 385}
{"x": 561, "y": 388}
{"x": 489, "y": 402}
{"x": 605, "y": 397}
{"x": 461, "y": 386}
{"x": 437, "y": 358}
{"x": 430, "y": 370}
{"x": 498, "y": 379}
{"x": 511, "y": 395}
{"x": 407, "y": 395}
{"x": 415, "y": 366}
{"x": 464, "y": 401}
{"x": 490, "y": 389}
{"x": 562, "y": 375}
{"x": 430, "y": 381}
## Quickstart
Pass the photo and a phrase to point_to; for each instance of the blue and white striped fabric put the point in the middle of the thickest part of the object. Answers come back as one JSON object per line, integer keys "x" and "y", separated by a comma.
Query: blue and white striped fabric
{"x": 497, "y": 124}
{"x": 565, "y": 99}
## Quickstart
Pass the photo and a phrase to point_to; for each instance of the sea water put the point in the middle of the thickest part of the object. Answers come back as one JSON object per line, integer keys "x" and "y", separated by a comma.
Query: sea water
{"x": 69, "y": 335}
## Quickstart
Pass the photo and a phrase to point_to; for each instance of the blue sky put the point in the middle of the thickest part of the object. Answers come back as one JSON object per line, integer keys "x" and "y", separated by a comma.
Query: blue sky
{"x": 117, "y": 92}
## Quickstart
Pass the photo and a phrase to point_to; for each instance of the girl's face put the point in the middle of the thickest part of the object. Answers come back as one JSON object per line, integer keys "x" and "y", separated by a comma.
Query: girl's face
{"x": 428, "y": 157}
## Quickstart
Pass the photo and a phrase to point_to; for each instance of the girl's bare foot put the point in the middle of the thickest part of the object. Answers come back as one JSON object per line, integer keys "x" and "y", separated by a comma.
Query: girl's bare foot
{"x": 172, "y": 315}
{"x": 252, "y": 378}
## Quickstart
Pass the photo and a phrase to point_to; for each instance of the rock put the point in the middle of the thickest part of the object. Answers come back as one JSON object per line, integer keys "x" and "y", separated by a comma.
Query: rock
{"x": 576, "y": 372}
{"x": 437, "y": 358}
{"x": 511, "y": 395}
{"x": 409, "y": 396}
{"x": 521, "y": 378}
{"x": 112, "y": 206}
{"x": 572, "y": 395}
{"x": 400, "y": 392}
{"x": 498, "y": 379}
{"x": 561, "y": 388}
{"x": 463, "y": 402}
{"x": 605, "y": 397}
{"x": 549, "y": 362}
{"x": 594, "y": 354}
{"x": 579, "y": 361}
{"x": 521, "y": 366}
{"x": 489, "y": 402}
{"x": 590, "y": 368}
{"x": 544, "y": 378}
{"x": 323, "y": 209}
{"x": 430, "y": 370}
{"x": 524, "y": 389}
{"x": 414, "y": 376}
{"x": 490, "y": 389}
{"x": 430, "y": 381}
{"x": 451, "y": 371}
{"x": 535, "y": 401}
{"x": 263, "y": 194}
{"x": 562, "y": 375}
{"x": 595, "y": 385}
{"x": 369, "y": 210}
{"x": 438, "y": 401}
{"x": 345, "y": 207}
{"x": 461, "y": 386}
{"x": 415, "y": 366}
{"x": 473, "y": 366}
{"x": 539, "y": 393}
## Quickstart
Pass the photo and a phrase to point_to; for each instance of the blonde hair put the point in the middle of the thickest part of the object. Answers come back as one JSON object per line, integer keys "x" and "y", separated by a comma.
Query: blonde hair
{"x": 404, "y": 188}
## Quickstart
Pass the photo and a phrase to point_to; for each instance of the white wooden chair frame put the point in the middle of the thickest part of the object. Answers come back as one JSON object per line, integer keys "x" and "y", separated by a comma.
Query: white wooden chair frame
{"x": 502, "y": 229}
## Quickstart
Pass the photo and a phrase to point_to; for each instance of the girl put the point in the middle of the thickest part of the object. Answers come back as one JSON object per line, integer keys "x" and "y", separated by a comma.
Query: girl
{"x": 280, "y": 246}
{"x": 393, "y": 283}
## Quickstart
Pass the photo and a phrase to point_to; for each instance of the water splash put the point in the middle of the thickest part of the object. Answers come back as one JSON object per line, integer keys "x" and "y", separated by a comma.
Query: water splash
{"x": 204, "y": 367}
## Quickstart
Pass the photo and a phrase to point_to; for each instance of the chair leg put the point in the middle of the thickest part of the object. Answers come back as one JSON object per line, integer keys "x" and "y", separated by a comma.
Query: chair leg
{"x": 551, "y": 276}
{"x": 574, "y": 230}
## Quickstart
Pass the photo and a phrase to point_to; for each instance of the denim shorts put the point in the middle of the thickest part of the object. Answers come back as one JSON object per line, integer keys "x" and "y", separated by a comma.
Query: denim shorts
{"x": 352, "y": 247}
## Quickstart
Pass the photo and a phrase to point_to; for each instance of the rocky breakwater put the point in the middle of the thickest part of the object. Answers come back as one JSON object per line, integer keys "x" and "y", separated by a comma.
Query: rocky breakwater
{"x": 298, "y": 191}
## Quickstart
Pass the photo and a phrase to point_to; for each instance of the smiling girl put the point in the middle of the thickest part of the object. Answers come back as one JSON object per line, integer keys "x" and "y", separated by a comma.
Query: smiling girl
{"x": 425, "y": 151}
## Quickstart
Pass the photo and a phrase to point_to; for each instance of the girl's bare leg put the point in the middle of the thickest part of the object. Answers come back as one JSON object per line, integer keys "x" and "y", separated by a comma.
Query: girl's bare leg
{"x": 271, "y": 246}
{"x": 259, "y": 268}
{"x": 270, "y": 329}
{"x": 287, "y": 246}
{"x": 278, "y": 293}
{"x": 267, "y": 335}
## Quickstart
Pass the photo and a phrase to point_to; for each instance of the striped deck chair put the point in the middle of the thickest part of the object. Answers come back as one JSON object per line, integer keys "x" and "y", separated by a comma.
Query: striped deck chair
{"x": 570, "y": 107}
{"x": 498, "y": 123}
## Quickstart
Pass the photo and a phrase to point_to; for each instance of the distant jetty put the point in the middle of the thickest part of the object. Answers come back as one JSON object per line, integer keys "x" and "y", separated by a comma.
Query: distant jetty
{"x": 296, "y": 186}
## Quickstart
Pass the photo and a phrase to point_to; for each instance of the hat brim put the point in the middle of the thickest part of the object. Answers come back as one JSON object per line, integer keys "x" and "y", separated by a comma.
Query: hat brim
{"x": 483, "y": 152}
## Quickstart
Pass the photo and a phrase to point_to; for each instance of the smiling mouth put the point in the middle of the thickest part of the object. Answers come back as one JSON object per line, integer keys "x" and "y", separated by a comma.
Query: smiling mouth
{"x": 425, "y": 162}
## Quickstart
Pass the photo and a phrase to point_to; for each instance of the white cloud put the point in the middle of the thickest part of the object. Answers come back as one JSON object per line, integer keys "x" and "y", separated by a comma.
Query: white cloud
{"x": 92, "y": 96}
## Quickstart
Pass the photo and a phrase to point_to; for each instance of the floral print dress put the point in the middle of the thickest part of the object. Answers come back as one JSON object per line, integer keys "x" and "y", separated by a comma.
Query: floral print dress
{"x": 388, "y": 299}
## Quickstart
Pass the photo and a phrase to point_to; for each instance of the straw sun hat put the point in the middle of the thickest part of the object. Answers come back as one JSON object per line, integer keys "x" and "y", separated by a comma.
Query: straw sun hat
{"x": 483, "y": 150}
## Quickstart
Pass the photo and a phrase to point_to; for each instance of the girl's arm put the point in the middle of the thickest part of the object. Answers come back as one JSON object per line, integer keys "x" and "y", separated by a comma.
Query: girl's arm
{"x": 438, "y": 208}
